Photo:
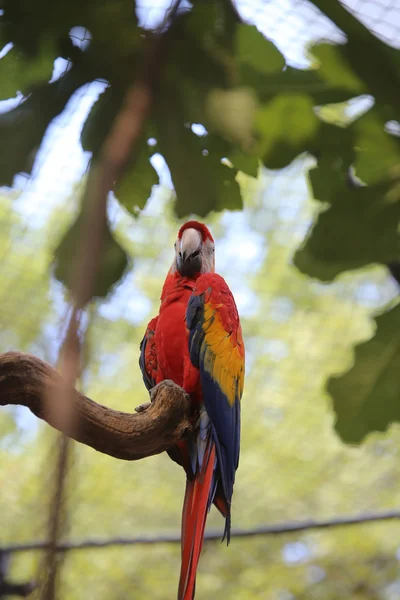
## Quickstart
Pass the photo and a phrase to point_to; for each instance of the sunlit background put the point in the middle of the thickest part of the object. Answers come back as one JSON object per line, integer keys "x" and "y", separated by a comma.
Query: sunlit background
{"x": 297, "y": 333}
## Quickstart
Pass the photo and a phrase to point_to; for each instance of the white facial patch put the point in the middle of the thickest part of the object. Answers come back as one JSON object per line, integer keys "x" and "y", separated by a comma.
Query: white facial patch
{"x": 208, "y": 257}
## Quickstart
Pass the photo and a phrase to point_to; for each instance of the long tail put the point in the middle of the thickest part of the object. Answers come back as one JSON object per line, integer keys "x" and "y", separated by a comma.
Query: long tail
{"x": 198, "y": 498}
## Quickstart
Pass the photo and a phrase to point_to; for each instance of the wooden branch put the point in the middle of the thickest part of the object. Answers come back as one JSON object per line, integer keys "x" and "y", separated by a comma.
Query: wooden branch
{"x": 28, "y": 381}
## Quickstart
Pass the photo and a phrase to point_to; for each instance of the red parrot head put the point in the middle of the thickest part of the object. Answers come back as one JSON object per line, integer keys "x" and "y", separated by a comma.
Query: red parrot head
{"x": 194, "y": 250}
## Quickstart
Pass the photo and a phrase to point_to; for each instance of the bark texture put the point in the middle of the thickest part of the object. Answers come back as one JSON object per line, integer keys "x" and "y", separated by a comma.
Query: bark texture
{"x": 26, "y": 380}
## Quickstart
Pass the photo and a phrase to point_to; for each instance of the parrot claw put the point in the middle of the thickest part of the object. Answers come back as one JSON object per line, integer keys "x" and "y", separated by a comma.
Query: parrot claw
{"x": 142, "y": 407}
{"x": 167, "y": 382}
{"x": 153, "y": 393}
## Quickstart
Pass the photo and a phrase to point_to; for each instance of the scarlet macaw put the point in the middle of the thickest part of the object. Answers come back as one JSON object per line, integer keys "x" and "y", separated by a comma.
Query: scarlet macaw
{"x": 196, "y": 340}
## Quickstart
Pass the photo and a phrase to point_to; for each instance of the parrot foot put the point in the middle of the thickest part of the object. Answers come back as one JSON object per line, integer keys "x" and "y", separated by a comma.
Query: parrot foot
{"x": 142, "y": 407}
{"x": 167, "y": 382}
{"x": 153, "y": 393}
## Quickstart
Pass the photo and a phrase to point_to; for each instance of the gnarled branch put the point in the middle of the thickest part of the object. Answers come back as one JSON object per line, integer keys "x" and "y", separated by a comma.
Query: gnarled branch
{"x": 26, "y": 380}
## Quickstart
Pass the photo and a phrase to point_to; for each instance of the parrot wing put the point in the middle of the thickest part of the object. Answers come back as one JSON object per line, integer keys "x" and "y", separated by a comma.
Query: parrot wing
{"x": 148, "y": 356}
{"x": 149, "y": 366}
{"x": 216, "y": 348}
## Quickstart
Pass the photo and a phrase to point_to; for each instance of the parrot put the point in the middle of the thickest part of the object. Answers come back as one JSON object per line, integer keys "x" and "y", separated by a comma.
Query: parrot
{"x": 196, "y": 341}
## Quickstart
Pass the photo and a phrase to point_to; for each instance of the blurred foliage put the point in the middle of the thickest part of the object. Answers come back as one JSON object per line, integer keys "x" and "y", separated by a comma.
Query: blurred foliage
{"x": 292, "y": 466}
{"x": 113, "y": 261}
{"x": 375, "y": 374}
{"x": 254, "y": 108}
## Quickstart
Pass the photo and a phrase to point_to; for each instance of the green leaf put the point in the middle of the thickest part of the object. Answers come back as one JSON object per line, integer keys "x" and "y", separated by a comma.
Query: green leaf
{"x": 367, "y": 397}
{"x": 360, "y": 228}
{"x": 202, "y": 183}
{"x": 112, "y": 26}
{"x": 227, "y": 188}
{"x": 22, "y": 129}
{"x": 253, "y": 50}
{"x": 113, "y": 260}
{"x": 244, "y": 162}
{"x": 296, "y": 81}
{"x": 334, "y": 68}
{"x": 335, "y": 114}
{"x": 377, "y": 151}
{"x": 200, "y": 22}
{"x": 286, "y": 126}
{"x": 201, "y": 56}
{"x": 100, "y": 120}
{"x": 231, "y": 113}
{"x": 136, "y": 185}
{"x": 334, "y": 148}
{"x": 20, "y": 74}
{"x": 134, "y": 188}
{"x": 327, "y": 180}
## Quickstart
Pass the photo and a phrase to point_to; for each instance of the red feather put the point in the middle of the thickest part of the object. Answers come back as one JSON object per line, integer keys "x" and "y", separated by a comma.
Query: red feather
{"x": 203, "y": 229}
{"x": 194, "y": 516}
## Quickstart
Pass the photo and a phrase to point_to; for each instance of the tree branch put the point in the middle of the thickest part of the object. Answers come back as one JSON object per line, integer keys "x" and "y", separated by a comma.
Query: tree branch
{"x": 28, "y": 381}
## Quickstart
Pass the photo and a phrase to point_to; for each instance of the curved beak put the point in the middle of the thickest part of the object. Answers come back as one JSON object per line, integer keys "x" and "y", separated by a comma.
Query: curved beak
{"x": 189, "y": 259}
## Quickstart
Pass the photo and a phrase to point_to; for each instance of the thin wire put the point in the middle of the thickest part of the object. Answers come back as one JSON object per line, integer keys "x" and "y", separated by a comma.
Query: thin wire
{"x": 278, "y": 529}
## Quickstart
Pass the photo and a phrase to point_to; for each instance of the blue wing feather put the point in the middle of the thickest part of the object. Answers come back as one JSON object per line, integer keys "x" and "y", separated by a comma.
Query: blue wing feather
{"x": 223, "y": 412}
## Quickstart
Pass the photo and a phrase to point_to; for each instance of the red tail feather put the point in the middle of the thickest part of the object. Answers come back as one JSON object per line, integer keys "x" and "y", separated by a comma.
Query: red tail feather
{"x": 194, "y": 516}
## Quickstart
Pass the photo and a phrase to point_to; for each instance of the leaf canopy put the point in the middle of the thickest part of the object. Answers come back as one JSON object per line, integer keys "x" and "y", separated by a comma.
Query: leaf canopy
{"x": 255, "y": 109}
